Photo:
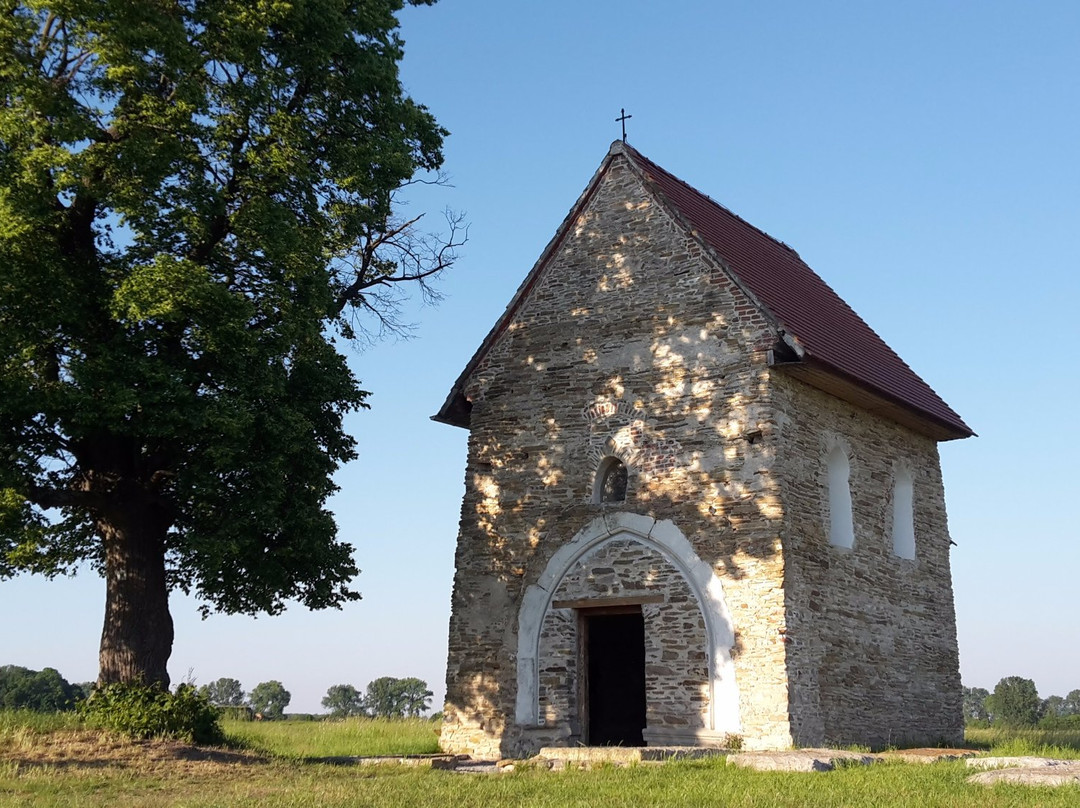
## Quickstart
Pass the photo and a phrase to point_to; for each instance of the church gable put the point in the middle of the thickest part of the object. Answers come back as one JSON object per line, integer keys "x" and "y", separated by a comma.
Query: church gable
{"x": 627, "y": 332}
{"x": 624, "y": 285}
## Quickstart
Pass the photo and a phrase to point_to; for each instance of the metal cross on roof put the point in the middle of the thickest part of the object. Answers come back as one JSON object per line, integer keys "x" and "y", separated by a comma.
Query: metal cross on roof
{"x": 622, "y": 119}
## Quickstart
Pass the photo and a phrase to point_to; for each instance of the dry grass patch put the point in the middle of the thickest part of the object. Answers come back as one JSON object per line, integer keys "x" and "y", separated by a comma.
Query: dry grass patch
{"x": 94, "y": 750}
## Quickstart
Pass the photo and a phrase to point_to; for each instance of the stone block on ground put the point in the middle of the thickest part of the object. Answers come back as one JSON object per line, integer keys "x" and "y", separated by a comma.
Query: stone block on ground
{"x": 625, "y": 755}
{"x": 927, "y": 755}
{"x": 1059, "y": 774}
{"x": 592, "y": 754}
{"x": 801, "y": 760}
{"x": 1018, "y": 761}
{"x": 424, "y": 761}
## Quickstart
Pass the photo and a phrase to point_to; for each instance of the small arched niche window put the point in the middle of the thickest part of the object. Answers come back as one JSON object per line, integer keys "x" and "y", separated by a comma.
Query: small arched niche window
{"x": 841, "y": 529}
{"x": 610, "y": 483}
{"x": 903, "y": 514}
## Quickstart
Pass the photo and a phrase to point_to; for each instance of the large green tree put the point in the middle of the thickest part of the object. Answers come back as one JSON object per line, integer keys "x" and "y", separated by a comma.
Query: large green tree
{"x": 1014, "y": 702}
{"x": 224, "y": 692}
{"x": 196, "y": 200}
{"x": 975, "y": 703}
{"x": 389, "y": 697}
{"x": 1071, "y": 703}
{"x": 343, "y": 701}
{"x": 269, "y": 699}
{"x": 415, "y": 696}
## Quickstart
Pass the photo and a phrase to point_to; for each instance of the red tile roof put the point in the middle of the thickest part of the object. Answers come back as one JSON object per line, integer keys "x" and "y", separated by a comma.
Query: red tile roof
{"x": 808, "y": 309}
{"x": 830, "y": 334}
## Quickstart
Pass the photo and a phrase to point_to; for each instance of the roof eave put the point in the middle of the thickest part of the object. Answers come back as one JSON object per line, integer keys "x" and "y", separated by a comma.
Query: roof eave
{"x": 455, "y": 411}
{"x": 830, "y": 379}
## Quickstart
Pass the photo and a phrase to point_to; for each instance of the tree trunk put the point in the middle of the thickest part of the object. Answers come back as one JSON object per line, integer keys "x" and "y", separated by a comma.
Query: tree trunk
{"x": 137, "y": 638}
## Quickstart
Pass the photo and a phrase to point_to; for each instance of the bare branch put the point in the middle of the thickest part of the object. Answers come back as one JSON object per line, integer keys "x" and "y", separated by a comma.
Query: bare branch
{"x": 373, "y": 279}
{"x": 46, "y": 38}
{"x": 399, "y": 254}
{"x": 67, "y": 75}
{"x": 441, "y": 178}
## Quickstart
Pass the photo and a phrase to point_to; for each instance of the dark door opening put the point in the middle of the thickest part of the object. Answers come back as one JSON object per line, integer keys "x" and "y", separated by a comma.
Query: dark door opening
{"x": 615, "y": 691}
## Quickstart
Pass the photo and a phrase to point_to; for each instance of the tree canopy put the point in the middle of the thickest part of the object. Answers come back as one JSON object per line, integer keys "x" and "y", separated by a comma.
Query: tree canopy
{"x": 343, "y": 701}
{"x": 975, "y": 703}
{"x": 388, "y": 697}
{"x": 1014, "y": 702}
{"x": 196, "y": 198}
{"x": 269, "y": 699}
{"x": 44, "y": 691}
{"x": 224, "y": 692}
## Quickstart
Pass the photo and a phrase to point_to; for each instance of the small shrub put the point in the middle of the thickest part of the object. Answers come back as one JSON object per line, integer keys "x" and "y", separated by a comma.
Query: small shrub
{"x": 733, "y": 742}
{"x": 145, "y": 711}
{"x": 237, "y": 713}
{"x": 1060, "y": 722}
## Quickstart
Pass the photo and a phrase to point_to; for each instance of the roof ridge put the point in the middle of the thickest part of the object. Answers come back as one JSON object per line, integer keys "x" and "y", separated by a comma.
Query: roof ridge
{"x": 635, "y": 154}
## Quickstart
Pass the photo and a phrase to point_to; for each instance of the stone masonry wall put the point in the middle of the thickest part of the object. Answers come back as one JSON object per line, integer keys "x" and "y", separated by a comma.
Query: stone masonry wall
{"x": 871, "y": 636}
{"x": 676, "y": 663}
{"x": 630, "y": 344}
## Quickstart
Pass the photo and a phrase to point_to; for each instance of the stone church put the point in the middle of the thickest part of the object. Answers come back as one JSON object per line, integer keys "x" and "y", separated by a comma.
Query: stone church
{"x": 702, "y": 499}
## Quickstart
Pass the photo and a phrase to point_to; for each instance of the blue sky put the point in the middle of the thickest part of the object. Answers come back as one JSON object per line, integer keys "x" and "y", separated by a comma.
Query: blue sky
{"x": 922, "y": 157}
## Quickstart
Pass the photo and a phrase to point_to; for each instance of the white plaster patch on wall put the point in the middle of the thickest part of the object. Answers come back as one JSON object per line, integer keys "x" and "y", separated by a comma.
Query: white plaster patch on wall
{"x": 837, "y": 499}
{"x": 903, "y": 511}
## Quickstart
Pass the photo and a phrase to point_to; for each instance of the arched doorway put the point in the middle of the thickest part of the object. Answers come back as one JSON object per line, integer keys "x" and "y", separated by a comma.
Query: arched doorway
{"x": 564, "y": 646}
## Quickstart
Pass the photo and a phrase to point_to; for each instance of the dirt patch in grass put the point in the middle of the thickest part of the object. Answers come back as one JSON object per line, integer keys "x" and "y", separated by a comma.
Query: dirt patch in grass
{"x": 94, "y": 749}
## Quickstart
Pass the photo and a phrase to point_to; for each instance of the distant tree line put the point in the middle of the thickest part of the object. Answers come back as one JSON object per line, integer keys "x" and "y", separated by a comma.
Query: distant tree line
{"x": 267, "y": 700}
{"x": 385, "y": 697}
{"x": 1015, "y": 702}
{"x": 43, "y": 691}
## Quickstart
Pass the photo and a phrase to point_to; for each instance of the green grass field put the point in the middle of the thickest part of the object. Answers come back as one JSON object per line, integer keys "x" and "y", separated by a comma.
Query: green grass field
{"x": 49, "y": 761}
{"x": 350, "y": 737}
{"x": 1058, "y": 743}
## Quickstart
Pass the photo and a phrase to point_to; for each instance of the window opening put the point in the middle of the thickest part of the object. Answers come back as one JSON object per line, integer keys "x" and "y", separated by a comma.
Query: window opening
{"x": 611, "y": 480}
{"x": 841, "y": 529}
{"x": 903, "y": 522}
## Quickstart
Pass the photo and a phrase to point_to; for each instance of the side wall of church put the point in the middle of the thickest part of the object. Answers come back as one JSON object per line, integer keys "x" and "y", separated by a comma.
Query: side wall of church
{"x": 871, "y": 636}
{"x": 629, "y": 345}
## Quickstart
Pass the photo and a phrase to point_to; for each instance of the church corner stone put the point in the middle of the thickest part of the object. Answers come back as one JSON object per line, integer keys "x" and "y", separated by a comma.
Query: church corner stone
{"x": 634, "y": 342}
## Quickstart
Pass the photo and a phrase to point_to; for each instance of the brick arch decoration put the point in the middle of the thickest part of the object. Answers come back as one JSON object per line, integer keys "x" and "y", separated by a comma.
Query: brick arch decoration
{"x": 666, "y": 539}
{"x": 618, "y": 429}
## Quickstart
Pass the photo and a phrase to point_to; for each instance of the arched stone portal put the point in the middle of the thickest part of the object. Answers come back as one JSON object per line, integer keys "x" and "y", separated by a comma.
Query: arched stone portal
{"x": 694, "y": 598}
